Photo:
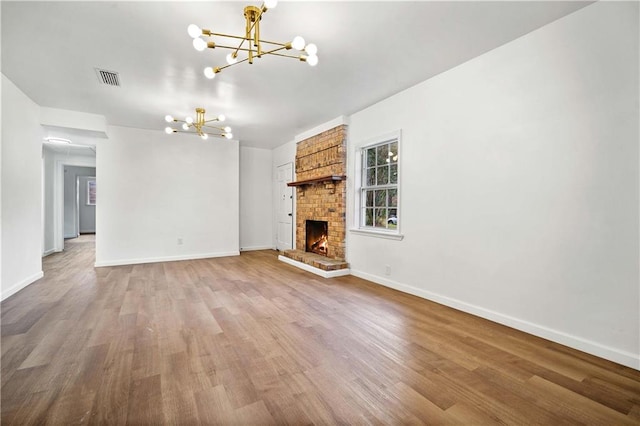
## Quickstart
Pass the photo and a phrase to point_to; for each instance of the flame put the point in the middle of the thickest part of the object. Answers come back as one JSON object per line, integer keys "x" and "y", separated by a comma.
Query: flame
{"x": 320, "y": 245}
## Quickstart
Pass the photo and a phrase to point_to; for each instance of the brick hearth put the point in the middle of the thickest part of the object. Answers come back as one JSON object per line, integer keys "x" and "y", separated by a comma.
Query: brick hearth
{"x": 321, "y": 164}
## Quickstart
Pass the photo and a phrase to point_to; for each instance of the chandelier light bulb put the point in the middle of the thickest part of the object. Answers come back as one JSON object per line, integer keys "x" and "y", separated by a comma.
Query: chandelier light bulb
{"x": 221, "y": 117}
{"x": 185, "y": 126}
{"x": 228, "y": 135}
{"x": 208, "y": 72}
{"x": 270, "y": 4}
{"x": 204, "y": 136}
{"x": 231, "y": 59}
{"x": 227, "y": 129}
{"x": 168, "y": 118}
{"x": 168, "y": 130}
{"x": 297, "y": 43}
{"x": 194, "y": 31}
{"x": 312, "y": 60}
{"x": 199, "y": 44}
{"x": 189, "y": 120}
{"x": 311, "y": 49}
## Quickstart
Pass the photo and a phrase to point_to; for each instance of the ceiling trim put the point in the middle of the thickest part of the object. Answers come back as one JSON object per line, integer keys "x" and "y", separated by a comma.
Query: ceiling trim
{"x": 338, "y": 121}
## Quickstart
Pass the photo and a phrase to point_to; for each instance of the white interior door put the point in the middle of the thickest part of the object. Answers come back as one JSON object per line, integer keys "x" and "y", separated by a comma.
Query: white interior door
{"x": 284, "y": 237}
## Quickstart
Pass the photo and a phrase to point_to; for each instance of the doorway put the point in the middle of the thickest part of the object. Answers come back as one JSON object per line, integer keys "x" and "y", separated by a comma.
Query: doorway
{"x": 284, "y": 232}
{"x": 79, "y": 213}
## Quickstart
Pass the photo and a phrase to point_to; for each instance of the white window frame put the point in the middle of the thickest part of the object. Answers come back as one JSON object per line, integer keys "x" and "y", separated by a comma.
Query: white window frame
{"x": 361, "y": 188}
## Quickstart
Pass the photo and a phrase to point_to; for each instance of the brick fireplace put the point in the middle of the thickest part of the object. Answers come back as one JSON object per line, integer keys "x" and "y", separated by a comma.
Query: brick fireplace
{"x": 321, "y": 199}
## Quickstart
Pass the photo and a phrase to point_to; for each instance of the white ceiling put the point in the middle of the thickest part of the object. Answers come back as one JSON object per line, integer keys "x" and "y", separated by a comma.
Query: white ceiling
{"x": 368, "y": 51}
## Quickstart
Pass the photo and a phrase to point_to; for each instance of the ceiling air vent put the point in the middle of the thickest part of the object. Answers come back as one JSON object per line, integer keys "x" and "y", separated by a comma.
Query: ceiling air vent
{"x": 108, "y": 77}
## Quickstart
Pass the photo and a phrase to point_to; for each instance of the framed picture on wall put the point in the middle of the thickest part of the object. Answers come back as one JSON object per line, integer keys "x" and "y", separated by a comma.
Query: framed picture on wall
{"x": 91, "y": 192}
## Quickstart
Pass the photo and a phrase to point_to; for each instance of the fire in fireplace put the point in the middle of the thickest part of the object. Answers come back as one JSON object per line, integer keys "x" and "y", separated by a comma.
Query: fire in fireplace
{"x": 316, "y": 236}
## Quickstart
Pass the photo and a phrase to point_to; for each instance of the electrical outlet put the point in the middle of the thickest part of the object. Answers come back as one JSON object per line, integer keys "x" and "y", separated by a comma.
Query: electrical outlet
{"x": 387, "y": 270}
{"x": 179, "y": 241}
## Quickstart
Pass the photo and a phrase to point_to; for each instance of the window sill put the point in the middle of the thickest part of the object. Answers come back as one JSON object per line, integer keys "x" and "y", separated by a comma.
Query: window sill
{"x": 377, "y": 234}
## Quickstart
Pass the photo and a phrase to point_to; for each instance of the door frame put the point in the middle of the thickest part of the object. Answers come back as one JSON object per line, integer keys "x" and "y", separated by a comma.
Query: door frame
{"x": 293, "y": 206}
{"x": 58, "y": 196}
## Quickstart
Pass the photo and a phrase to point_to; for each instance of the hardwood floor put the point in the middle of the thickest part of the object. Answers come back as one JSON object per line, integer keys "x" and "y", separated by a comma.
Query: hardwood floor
{"x": 251, "y": 340}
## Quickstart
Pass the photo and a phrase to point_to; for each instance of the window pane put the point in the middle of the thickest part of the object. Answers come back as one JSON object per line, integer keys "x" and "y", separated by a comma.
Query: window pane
{"x": 393, "y": 152}
{"x": 368, "y": 217}
{"x": 381, "y": 218}
{"x": 383, "y": 175}
{"x": 392, "y": 220}
{"x": 380, "y": 170}
{"x": 371, "y": 176}
{"x": 383, "y": 154}
{"x": 393, "y": 171}
{"x": 369, "y": 201}
{"x": 371, "y": 157}
{"x": 393, "y": 198}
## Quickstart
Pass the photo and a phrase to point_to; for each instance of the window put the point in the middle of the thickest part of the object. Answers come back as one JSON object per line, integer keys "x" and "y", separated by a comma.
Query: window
{"x": 379, "y": 190}
{"x": 91, "y": 192}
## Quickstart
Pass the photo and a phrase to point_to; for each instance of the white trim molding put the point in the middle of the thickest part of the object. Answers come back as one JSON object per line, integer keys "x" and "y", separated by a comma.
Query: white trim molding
{"x": 256, "y": 248}
{"x": 50, "y": 251}
{"x": 121, "y": 262}
{"x": 314, "y": 270}
{"x": 20, "y": 285}
{"x": 338, "y": 121}
{"x": 621, "y": 357}
{"x": 377, "y": 234}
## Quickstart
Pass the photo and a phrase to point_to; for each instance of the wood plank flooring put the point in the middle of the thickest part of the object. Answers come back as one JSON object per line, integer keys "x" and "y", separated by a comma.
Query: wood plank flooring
{"x": 249, "y": 340}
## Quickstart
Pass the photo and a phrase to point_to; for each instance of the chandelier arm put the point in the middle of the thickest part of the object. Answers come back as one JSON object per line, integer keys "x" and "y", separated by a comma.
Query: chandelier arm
{"x": 213, "y": 119}
{"x": 235, "y": 53}
{"x": 272, "y": 52}
{"x": 215, "y": 127}
{"x": 232, "y": 48}
{"x": 274, "y": 42}
{"x": 230, "y": 65}
{"x": 243, "y": 49}
{"x": 244, "y": 38}
{"x": 285, "y": 56}
{"x": 228, "y": 36}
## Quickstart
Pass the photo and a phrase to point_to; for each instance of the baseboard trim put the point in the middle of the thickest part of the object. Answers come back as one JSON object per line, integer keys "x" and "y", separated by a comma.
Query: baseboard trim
{"x": 121, "y": 262}
{"x": 20, "y": 285}
{"x": 256, "y": 248}
{"x": 314, "y": 270}
{"x": 48, "y": 252}
{"x": 621, "y": 357}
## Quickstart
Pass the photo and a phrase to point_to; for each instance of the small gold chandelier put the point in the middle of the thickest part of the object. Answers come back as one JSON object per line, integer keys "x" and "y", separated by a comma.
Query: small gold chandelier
{"x": 199, "y": 126}
{"x": 253, "y": 16}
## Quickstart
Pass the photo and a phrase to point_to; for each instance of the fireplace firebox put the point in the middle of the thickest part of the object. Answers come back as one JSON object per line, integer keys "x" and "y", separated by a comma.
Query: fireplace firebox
{"x": 316, "y": 237}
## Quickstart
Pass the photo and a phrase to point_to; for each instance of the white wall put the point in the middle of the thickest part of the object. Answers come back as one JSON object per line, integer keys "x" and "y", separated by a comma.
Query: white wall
{"x": 21, "y": 190}
{"x": 66, "y": 120}
{"x": 519, "y": 195}
{"x": 157, "y": 188}
{"x": 49, "y": 202}
{"x": 256, "y": 202}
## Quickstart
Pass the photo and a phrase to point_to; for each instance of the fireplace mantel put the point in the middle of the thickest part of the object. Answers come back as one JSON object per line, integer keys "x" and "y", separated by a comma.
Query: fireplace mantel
{"x": 330, "y": 178}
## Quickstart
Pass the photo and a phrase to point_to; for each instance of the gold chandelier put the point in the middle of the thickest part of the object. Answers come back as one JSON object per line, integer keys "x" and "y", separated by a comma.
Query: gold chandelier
{"x": 253, "y": 16}
{"x": 199, "y": 126}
